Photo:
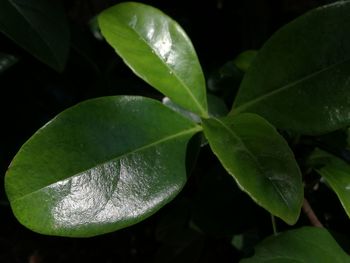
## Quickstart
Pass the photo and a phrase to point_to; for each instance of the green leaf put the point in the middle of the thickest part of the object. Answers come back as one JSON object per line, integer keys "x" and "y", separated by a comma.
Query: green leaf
{"x": 336, "y": 172}
{"x": 38, "y": 26}
{"x": 304, "y": 245}
{"x": 7, "y": 61}
{"x": 175, "y": 107}
{"x": 100, "y": 166}
{"x": 261, "y": 162}
{"x": 158, "y": 50}
{"x": 300, "y": 78}
{"x": 210, "y": 212}
{"x": 216, "y": 108}
{"x": 225, "y": 79}
{"x": 245, "y": 59}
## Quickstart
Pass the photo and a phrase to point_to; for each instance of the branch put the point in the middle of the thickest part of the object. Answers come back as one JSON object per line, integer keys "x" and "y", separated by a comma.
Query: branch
{"x": 311, "y": 214}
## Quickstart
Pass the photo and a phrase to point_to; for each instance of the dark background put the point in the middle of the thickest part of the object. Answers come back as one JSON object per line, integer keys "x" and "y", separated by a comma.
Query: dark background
{"x": 199, "y": 225}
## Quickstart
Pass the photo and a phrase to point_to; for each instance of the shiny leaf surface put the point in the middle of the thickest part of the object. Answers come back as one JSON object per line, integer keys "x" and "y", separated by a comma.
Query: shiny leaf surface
{"x": 216, "y": 108}
{"x": 304, "y": 245}
{"x": 99, "y": 166}
{"x": 261, "y": 162}
{"x": 38, "y": 26}
{"x": 337, "y": 174}
{"x": 158, "y": 50}
{"x": 175, "y": 107}
{"x": 300, "y": 78}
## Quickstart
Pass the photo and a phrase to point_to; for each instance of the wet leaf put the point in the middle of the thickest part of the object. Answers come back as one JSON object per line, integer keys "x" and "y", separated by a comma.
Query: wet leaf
{"x": 158, "y": 50}
{"x": 99, "y": 166}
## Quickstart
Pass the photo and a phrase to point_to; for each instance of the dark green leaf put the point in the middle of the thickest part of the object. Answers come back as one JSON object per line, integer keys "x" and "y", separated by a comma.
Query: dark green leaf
{"x": 226, "y": 210}
{"x": 95, "y": 28}
{"x": 245, "y": 59}
{"x": 225, "y": 79}
{"x": 216, "y": 106}
{"x": 300, "y": 78}
{"x": 39, "y": 26}
{"x": 99, "y": 166}
{"x": 177, "y": 241}
{"x": 158, "y": 50}
{"x": 7, "y": 61}
{"x": 336, "y": 172}
{"x": 260, "y": 160}
{"x": 304, "y": 245}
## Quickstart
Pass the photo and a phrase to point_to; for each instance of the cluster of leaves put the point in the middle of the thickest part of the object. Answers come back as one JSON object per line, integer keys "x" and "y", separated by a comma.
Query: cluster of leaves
{"x": 111, "y": 162}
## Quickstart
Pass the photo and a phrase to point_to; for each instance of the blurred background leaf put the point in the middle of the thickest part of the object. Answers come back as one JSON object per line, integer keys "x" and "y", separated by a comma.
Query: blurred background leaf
{"x": 38, "y": 26}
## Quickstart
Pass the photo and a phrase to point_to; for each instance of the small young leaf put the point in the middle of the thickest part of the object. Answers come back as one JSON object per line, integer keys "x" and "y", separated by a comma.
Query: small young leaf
{"x": 304, "y": 245}
{"x": 100, "y": 166}
{"x": 261, "y": 162}
{"x": 225, "y": 79}
{"x": 158, "y": 50}
{"x": 245, "y": 59}
{"x": 336, "y": 172}
{"x": 38, "y": 26}
{"x": 7, "y": 61}
{"x": 300, "y": 78}
{"x": 216, "y": 106}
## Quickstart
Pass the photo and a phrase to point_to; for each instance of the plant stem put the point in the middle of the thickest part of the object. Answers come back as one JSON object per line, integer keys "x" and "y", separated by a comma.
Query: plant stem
{"x": 274, "y": 227}
{"x": 311, "y": 214}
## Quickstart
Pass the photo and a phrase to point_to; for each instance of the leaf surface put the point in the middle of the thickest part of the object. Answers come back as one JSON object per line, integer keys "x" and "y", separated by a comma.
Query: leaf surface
{"x": 99, "y": 166}
{"x": 336, "y": 172}
{"x": 260, "y": 160}
{"x": 158, "y": 50}
{"x": 304, "y": 245}
{"x": 300, "y": 78}
{"x": 38, "y": 26}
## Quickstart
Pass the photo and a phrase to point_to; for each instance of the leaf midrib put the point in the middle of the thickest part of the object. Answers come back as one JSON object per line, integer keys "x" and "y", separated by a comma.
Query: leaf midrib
{"x": 246, "y": 105}
{"x": 187, "y": 89}
{"x": 262, "y": 170}
{"x": 141, "y": 148}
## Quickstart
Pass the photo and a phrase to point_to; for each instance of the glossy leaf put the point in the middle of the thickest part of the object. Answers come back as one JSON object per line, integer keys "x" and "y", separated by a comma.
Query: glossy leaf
{"x": 158, "y": 50}
{"x": 216, "y": 108}
{"x": 336, "y": 172}
{"x": 100, "y": 166}
{"x": 261, "y": 162}
{"x": 175, "y": 107}
{"x": 7, "y": 61}
{"x": 38, "y": 26}
{"x": 300, "y": 78}
{"x": 304, "y": 245}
